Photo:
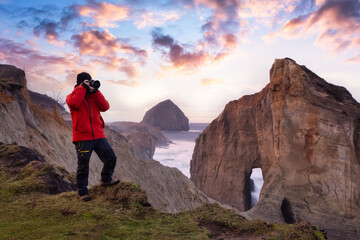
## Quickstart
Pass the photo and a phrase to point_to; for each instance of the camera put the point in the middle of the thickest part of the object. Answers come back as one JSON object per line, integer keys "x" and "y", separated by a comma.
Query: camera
{"x": 94, "y": 83}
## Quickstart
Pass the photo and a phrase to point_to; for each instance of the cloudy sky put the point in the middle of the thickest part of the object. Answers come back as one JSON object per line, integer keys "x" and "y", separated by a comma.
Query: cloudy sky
{"x": 201, "y": 54}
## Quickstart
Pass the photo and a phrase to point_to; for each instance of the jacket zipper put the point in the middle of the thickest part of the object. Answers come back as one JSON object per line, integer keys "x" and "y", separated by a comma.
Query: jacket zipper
{"x": 92, "y": 130}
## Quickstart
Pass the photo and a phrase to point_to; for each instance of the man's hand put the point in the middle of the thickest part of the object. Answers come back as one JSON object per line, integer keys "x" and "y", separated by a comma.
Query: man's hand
{"x": 88, "y": 84}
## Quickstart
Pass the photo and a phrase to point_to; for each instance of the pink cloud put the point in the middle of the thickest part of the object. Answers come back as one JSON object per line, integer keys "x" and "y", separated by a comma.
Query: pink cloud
{"x": 266, "y": 9}
{"x": 336, "y": 24}
{"x": 154, "y": 19}
{"x": 176, "y": 54}
{"x": 108, "y": 51}
{"x": 49, "y": 28}
{"x": 210, "y": 81}
{"x": 115, "y": 64}
{"x": 229, "y": 41}
{"x": 46, "y": 72}
{"x": 18, "y": 54}
{"x": 130, "y": 70}
{"x": 96, "y": 43}
{"x": 43, "y": 71}
{"x": 104, "y": 14}
{"x": 224, "y": 21}
{"x": 355, "y": 59}
{"x": 33, "y": 44}
{"x": 124, "y": 83}
{"x": 221, "y": 33}
{"x": 102, "y": 44}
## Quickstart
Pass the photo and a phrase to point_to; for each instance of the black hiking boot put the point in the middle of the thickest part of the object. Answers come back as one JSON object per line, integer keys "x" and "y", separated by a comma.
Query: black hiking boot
{"x": 85, "y": 198}
{"x": 111, "y": 183}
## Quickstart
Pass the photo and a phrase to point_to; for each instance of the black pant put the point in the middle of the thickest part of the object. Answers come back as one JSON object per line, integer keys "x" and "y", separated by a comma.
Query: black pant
{"x": 106, "y": 154}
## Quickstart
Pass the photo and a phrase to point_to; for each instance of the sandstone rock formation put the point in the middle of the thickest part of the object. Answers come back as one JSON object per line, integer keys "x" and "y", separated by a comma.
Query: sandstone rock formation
{"x": 143, "y": 144}
{"x": 29, "y": 125}
{"x": 49, "y": 104}
{"x": 304, "y": 133}
{"x": 167, "y": 116}
{"x": 133, "y": 127}
{"x": 142, "y": 137}
{"x": 22, "y": 162}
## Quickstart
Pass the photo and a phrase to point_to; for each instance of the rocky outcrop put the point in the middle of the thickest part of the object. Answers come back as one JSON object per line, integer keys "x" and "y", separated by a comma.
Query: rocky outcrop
{"x": 304, "y": 134}
{"x": 142, "y": 137}
{"x": 143, "y": 144}
{"x": 167, "y": 116}
{"x": 12, "y": 77}
{"x": 29, "y": 125}
{"x": 133, "y": 127}
{"x": 49, "y": 104}
{"x": 29, "y": 166}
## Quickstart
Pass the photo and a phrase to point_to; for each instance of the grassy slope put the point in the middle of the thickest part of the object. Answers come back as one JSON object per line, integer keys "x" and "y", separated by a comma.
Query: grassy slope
{"x": 119, "y": 212}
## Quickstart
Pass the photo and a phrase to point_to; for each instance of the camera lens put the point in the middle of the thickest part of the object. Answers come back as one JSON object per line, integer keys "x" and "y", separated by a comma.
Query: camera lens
{"x": 95, "y": 83}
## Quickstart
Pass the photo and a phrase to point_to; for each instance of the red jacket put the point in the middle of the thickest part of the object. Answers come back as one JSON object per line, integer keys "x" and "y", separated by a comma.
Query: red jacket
{"x": 85, "y": 113}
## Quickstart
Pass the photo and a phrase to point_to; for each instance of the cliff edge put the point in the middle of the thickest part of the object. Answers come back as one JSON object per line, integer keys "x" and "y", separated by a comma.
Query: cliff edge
{"x": 29, "y": 125}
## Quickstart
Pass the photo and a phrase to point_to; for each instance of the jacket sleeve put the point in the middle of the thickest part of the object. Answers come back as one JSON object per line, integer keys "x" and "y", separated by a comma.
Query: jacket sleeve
{"x": 102, "y": 103}
{"x": 75, "y": 98}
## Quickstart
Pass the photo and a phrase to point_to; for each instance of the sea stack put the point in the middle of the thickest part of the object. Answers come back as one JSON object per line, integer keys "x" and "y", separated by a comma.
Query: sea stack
{"x": 167, "y": 116}
{"x": 304, "y": 133}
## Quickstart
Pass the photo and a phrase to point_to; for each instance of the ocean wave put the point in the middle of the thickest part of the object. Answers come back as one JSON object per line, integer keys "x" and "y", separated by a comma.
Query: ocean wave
{"x": 178, "y": 154}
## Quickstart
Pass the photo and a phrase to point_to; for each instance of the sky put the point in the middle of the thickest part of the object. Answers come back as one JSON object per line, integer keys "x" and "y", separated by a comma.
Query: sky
{"x": 201, "y": 54}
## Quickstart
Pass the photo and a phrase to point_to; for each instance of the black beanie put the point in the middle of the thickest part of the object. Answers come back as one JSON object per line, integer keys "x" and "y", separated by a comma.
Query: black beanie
{"x": 82, "y": 77}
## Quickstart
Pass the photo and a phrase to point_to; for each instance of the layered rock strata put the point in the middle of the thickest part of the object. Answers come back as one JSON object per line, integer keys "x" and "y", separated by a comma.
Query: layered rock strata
{"x": 29, "y": 125}
{"x": 167, "y": 116}
{"x": 304, "y": 133}
{"x": 142, "y": 137}
{"x": 50, "y": 104}
{"x": 133, "y": 127}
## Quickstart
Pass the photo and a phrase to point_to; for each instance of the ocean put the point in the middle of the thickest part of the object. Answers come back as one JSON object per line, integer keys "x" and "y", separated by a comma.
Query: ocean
{"x": 179, "y": 153}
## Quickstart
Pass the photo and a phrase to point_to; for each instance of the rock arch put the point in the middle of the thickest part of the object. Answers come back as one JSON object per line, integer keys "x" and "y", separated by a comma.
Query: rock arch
{"x": 304, "y": 134}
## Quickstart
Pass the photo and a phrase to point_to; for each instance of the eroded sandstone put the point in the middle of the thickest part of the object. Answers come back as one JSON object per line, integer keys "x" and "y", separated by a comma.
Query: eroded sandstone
{"x": 142, "y": 137}
{"x": 305, "y": 135}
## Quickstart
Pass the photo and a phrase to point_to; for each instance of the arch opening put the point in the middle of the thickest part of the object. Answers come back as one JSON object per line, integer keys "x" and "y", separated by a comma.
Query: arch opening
{"x": 287, "y": 211}
{"x": 256, "y": 183}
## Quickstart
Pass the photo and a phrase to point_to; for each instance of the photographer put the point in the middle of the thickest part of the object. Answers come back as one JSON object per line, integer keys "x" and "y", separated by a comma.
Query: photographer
{"x": 85, "y": 103}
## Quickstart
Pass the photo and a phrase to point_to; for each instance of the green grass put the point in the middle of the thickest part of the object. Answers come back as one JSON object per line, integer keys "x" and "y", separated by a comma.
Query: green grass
{"x": 119, "y": 212}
